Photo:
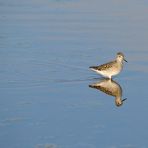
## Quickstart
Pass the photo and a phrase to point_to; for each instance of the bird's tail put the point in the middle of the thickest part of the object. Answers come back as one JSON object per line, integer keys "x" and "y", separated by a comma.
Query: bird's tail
{"x": 93, "y": 67}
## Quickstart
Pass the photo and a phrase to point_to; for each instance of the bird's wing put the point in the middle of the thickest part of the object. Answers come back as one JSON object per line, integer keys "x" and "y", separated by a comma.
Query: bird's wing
{"x": 103, "y": 66}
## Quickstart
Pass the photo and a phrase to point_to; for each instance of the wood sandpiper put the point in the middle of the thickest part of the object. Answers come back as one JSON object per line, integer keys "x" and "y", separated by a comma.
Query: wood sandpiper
{"x": 111, "y": 68}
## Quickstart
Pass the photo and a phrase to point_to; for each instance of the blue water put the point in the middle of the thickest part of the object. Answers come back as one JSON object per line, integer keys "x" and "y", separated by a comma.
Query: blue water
{"x": 46, "y": 47}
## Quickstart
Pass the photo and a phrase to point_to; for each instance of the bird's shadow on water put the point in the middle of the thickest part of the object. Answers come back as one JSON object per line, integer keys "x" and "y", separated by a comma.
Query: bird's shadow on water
{"x": 111, "y": 88}
{"x": 108, "y": 86}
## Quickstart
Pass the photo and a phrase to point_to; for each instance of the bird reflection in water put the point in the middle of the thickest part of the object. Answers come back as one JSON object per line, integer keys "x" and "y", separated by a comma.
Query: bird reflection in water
{"x": 111, "y": 88}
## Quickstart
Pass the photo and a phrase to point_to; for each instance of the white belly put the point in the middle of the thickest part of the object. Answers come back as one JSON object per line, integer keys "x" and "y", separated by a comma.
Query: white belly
{"x": 109, "y": 73}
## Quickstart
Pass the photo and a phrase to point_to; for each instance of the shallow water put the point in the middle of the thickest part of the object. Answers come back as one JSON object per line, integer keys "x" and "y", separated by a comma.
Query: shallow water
{"x": 46, "y": 48}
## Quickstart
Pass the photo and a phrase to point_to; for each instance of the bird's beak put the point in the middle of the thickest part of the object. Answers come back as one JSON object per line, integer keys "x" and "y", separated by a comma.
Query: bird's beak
{"x": 125, "y": 60}
{"x": 124, "y": 99}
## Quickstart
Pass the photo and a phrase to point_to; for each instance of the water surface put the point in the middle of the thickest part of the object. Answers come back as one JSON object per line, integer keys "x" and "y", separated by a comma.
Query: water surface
{"x": 46, "y": 48}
